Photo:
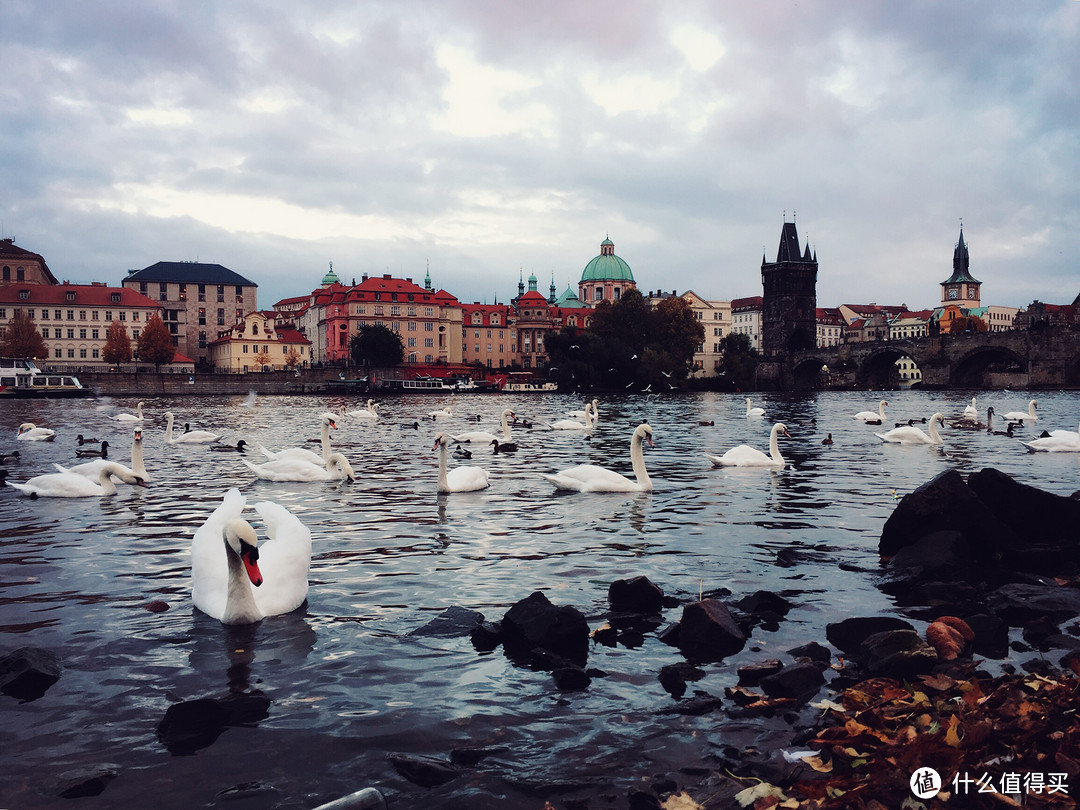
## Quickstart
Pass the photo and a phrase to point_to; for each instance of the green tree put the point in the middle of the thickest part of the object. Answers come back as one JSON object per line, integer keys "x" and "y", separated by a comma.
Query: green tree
{"x": 22, "y": 339}
{"x": 117, "y": 345}
{"x": 376, "y": 346}
{"x": 740, "y": 360}
{"x": 677, "y": 335}
{"x": 155, "y": 343}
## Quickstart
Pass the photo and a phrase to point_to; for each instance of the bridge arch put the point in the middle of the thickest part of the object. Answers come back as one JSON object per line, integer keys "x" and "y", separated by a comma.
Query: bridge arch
{"x": 970, "y": 369}
{"x": 878, "y": 367}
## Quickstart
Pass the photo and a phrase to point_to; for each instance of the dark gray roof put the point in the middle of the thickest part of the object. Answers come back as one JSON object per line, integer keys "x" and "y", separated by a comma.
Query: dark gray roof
{"x": 189, "y": 273}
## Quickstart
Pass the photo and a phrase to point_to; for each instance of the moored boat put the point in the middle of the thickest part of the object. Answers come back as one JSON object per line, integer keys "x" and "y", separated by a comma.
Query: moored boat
{"x": 20, "y": 378}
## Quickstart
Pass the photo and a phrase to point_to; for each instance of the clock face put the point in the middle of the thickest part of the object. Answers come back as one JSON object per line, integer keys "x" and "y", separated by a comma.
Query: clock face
{"x": 953, "y": 293}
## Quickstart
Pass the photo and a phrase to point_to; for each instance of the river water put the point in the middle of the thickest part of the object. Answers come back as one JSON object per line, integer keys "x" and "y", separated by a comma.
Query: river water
{"x": 344, "y": 684}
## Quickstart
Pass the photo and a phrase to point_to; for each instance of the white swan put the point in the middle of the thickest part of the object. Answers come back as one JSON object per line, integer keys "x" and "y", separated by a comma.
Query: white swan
{"x": 326, "y": 422}
{"x": 1020, "y": 416}
{"x": 570, "y": 424}
{"x": 593, "y": 478}
{"x": 1059, "y": 441}
{"x": 909, "y": 434}
{"x": 486, "y": 437}
{"x": 870, "y": 416}
{"x": 970, "y": 413}
{"x": 751, "y": 411}
{"x": 746, "y": 456}
{"x": 443, "y": 414}
{"x": 580, "y": 414}
{"x": 459, "y": 479}
{"x": 131, "y": 417}
{"x": 296, "y": 469}
{"x": 92, "y": 469}
{"x": 191, "y": 437}
{"x": 29, "y": 432}
{"x": 370, "y": 411}
{"x": 225, "y": 563}
{"x": 73, "y": 485}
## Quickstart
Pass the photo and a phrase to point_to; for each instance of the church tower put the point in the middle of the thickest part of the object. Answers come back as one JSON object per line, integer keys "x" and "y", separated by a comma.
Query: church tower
{"x": 789, "y": 297}
{"x": 961, "y": 289}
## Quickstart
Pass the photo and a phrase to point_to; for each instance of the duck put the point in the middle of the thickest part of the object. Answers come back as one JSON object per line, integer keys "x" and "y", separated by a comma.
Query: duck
{"x": 523, "y": 422}
{"x": 91, "y": 469}
{"x": 746, "y": 456}
{"x": 239, "y": 447}
{"x": 827, "y": 440}
{"x": 87, "y": 452}
{"x": 1058, "y": 441}
{"x": 704, "y": 423}
{"x": 294, "y": 469}
{"x": 909, "y": 434}
{"x": 872, "y": 418}
{"x": 484, "y": 436}
{"x": 593, "y": 478}
{"x": 83, "y": 440}
{"x": 73, "y": 485}
{"x": 370, "y": 411}
{"x": 459, "y": 479}
{"x": 131, "y": 417}
{"x": 29, "y": 432}
{"x": 327, "y": 422}
{"x": 238, "y": 581}
{"x": 461, "y": 452}
{"x": 1020, "y": 416}
{"x": 503, "y": 447}
{"x": 190, "y": 437}
{"x": 409, "y": 426}
{"x": 752, "y": 411}
{"x": 13, "y": 455}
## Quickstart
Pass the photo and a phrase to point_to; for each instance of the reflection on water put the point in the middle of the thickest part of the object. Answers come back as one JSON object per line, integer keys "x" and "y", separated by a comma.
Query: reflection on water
{"x": 325, "y": 694}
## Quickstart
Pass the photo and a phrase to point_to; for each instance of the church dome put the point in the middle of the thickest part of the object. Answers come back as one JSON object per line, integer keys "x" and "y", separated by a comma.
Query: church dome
{"x": 607, "y": 266}
{"x": 331, "y": 277}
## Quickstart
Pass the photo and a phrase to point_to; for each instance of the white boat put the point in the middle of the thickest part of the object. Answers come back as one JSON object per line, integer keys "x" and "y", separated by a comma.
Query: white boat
{"x": 523, "y": 383}
{"x": 20, "y": 378}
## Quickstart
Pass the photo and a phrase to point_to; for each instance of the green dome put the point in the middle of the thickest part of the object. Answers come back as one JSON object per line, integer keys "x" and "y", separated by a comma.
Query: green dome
{"x": 607, "y": 266}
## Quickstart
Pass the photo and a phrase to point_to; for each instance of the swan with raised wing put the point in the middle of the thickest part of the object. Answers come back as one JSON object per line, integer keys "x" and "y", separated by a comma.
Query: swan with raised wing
{"x": 327, "y": 421}
{"x": 73, "y": 485}
{"x": 131, "y": 417}
{"x": 190, "y": 437}
{"x": 909, "y": 434}
{"x": 486, "y": 437}
{"x": 295, "y": 469}
{"x": 29, "y": 432}
{"x": 459, "y": 479}
{"x": 1059, "y": 441}
{"x": 226, "y": 561}
{"x": 746, "y": 456}
{"x": 752, "y": 411}
{"x": 594, "y": 478}
{"x": 870, "y": 417}
{"x": 1020, "y": 416}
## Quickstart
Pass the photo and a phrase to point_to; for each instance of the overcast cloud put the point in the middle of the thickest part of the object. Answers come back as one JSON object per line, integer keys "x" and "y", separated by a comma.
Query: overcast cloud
{"x": 488, "y": 138}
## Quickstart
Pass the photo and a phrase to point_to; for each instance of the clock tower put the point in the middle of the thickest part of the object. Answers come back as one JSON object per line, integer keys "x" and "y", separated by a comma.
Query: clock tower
{"x": 961, "y": 289}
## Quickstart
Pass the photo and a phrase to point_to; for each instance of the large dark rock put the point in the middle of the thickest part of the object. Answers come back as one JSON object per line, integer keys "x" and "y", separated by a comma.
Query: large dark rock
{"x": 896, "y": 654}
{"x": 1028, "y": 510}
{"x": 27, "y": 672}
{"x": 799, "y": 681}
{"x": 194, "y": 724}
{"x": 674, "y": 677}
{"x": 424, "y": 771}
{"x": 454, "y": 622}
{"x": 943, "y": 503}
{"x": 991, "y": 635}
{"x": 1018, "y": 603}
{"x": 707, "y": 631}
{"x": 637, "y": 595}
{"x": 536, "y": 623}
{"x": 847, "y": 635}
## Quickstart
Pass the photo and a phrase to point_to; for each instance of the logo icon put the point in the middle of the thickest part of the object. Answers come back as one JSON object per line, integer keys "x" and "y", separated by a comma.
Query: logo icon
{"x": 925, "y": 783}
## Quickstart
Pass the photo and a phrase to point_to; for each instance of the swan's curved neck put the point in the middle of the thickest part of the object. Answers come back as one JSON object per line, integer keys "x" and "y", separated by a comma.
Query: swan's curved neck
{"x": 168, "y": 427}
{"x": 444, "y": 486}
{"x": 881, "y": 411}
{"x": 934, "y": 432}
{"x": 240, "y": 607}
{"x": 506, "y": 428}
{"x": 637, "y": 461}
{"x": 325, "y": 441}
{"x": 105, "y": 479}
{"x": 137, "y": 465}
{"x": 774, "y": 447}
{"x": 588, "y": 426}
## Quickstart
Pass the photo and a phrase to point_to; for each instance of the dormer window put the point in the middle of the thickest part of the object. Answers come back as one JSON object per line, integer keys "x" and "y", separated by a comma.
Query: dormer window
{"x": 24, "y": 295}
{"x": 115, "y": 298}
{"x": 69, "y": 295}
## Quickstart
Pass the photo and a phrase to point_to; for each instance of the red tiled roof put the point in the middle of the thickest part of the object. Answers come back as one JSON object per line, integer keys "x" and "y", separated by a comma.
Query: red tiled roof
{"x": 86, "y": 295}
{"x": 743, "y": 303}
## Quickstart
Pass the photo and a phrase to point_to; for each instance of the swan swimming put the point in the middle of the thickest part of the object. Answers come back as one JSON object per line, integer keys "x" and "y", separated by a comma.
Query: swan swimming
{"x": 751, "y": 411}
{"x": 191, "y": 437}
{"x": 92, "y": 469}
{"x": 29, "y": 432}
{"x": 296, "y": 469}
{"x": 486, "y": 437}
{"x": 226, "y": 562}
{"x": 570, "y": 424}
{"x": 459, "y": 479}
{"x": 593, "y": 478}
{"x": 580, "y": 414}
{"x": 970, "y": 413}
{"x": 909, "y": 434}
{"x": 1020, "y": 416}
{"x": 870, "y": 416}
{"x": 746, "y": 456}
{"x": 370, "y": 411}
{"x": 327, "y": 421}
{"x": 131, "y": 417}
{"x": 73, "y": 485}
{"x": 1059, "y": 441}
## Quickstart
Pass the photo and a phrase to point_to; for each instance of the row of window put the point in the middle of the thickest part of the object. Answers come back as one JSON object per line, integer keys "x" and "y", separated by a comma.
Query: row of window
{"x": 95, "y": 334}
{"x": 58, "y": 314}
{"x": 163, "y": 291}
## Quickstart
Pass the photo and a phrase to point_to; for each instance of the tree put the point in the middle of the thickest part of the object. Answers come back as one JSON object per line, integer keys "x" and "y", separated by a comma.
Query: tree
{"x": 263, "y": 359}
{"x": 376, "y": 346}
{"x": 117, "y": 345}
{"x": 22, "y": 339}
{"x": 292, "y": 358}
{"x": 155, "y": 343}
{"x": 740, "y": 360}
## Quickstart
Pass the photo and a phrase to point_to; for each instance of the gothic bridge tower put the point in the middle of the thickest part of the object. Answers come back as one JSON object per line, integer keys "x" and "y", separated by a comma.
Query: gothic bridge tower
{"x": 789, "y": 297}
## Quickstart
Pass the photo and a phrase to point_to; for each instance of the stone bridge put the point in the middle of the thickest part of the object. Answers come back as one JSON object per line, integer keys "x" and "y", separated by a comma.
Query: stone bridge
{"x": 1040, "y": 358}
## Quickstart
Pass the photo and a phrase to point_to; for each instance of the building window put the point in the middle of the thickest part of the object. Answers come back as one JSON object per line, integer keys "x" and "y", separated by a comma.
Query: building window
{"x": 123, "y": 315}
{"x": 221, "y": 293}
{"x": 142, "y": 288}
{"x": 69, "y": 296}
{"x": 202, "y": 316}
{"x": 221, "y": 317}
{"x": 115, "y": 298}
{"x": 202, "y": 292}
{"x": 82, "y": 334}
{"x": 202, "y": 340}
{"x": 71, "y": 334}
{"x": 183, "y": 292}
{"x": 95, "y": 334}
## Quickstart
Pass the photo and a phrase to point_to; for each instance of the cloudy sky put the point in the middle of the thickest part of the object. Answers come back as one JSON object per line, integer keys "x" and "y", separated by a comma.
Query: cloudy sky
{"x": 488, "y": 138}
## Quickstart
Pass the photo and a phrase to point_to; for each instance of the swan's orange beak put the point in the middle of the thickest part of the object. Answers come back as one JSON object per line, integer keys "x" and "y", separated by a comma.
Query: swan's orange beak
{"x": 333, "y": 424}
{"x": 249, "y": 555}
